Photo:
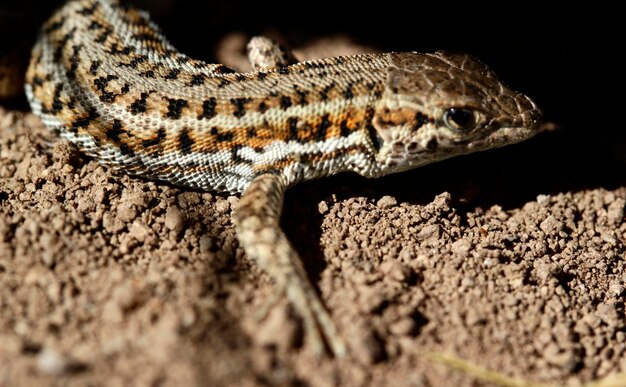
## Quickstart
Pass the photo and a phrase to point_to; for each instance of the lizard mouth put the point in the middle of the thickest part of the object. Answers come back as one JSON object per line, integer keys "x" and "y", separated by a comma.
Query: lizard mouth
{"x": 524, "y": 126}
{"x": 502, "y": 137}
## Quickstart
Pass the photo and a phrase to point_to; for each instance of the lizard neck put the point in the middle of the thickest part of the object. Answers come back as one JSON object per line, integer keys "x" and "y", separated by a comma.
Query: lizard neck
{"x": 322, "y": 131}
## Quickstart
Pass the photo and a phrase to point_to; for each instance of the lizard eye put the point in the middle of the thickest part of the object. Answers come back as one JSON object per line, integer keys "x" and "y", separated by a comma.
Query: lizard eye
{"x": 459, "y": 119}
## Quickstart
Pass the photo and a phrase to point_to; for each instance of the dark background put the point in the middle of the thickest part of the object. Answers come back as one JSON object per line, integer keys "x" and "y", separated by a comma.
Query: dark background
{"x": 563, "y": 57}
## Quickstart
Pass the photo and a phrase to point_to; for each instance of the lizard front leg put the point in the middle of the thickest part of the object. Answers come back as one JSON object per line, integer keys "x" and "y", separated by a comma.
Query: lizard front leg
{"x": 257, "y": 221}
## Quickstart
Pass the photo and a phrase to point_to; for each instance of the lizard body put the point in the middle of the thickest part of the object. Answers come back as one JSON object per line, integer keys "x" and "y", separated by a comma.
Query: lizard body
{"x": 104, "y": 77}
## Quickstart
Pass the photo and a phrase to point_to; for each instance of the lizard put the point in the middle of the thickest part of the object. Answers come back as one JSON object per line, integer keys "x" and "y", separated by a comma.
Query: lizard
{"x": 103, "y": 76}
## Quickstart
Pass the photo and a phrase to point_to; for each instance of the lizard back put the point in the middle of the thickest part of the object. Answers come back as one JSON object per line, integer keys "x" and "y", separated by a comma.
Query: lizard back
{"x": 104, "y": 77}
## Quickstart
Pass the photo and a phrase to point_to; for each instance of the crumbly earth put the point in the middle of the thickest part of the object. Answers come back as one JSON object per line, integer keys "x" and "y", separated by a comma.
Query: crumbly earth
{"x": 494, "y": 258}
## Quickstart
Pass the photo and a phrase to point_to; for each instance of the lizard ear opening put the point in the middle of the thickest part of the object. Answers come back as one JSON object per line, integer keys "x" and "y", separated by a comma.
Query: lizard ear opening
{"x": 377, "y": 140}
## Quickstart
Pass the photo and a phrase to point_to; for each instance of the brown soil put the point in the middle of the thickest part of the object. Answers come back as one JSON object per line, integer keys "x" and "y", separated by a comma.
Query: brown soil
{"x": 111, "y": 280}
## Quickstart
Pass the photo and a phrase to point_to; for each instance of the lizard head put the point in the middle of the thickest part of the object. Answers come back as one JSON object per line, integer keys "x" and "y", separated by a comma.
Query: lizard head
{"x": 441, "y": 105}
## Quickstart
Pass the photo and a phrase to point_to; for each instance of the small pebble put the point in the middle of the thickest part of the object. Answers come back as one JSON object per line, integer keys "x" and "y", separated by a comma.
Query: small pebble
{"x": 52, "y": 362}
{"x": 174, "y": 219}
{"x": 322, "y": 207}
{"x": 386, "y": 202}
